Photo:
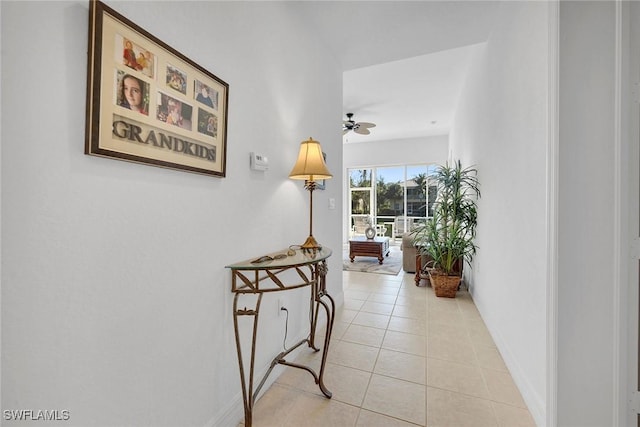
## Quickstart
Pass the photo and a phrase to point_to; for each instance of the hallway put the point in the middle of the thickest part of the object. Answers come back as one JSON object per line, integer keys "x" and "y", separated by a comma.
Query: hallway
{"x": 400, "y": 356}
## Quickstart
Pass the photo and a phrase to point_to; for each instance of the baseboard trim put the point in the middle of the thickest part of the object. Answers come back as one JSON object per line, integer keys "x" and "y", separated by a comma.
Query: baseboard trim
{"x": 535, "y": 403}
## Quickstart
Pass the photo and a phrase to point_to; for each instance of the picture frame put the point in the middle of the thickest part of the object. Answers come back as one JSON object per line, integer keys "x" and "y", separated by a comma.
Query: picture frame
{"x": 148, "y": 103}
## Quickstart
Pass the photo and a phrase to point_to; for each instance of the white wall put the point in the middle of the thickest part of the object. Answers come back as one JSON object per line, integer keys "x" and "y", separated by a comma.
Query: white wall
{"x": 500, "y": 126}
{"x": 432, "y": 149}
{"x": 410, "y": 151}
{"x": 586, "y": 240}
{"x": 115, "y": 301}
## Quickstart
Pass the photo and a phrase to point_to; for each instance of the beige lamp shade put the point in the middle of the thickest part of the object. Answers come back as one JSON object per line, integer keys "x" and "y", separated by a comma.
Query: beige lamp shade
{"x": 310, "y": 165}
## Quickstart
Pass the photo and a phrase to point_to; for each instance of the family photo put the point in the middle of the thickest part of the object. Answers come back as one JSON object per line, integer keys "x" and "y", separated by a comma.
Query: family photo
{"x": 205, "y": 94}
{"x": 174, "y": 112}
{"x": 207, "y": 123}
{"x": 137, "y": 58}
{"x": 132, "y": 93}
{"x": 176, "y": 79}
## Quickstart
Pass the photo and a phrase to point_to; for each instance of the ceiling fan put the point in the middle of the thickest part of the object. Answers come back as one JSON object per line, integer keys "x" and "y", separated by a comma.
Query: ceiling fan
{"x": 358, "y": 127}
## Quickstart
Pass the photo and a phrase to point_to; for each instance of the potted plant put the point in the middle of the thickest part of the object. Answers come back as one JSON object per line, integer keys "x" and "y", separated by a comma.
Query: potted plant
{"x": 448, "y": 237}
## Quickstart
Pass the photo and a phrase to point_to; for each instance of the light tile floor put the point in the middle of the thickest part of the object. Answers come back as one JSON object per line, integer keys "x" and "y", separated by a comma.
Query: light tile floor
{"x": 399, "y": 356}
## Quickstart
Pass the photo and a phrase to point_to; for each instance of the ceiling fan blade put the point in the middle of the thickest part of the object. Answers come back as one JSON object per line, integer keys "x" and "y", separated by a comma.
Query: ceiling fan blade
{"x": 345, "y": 131}
{"x": 362, "y": 131}
{"x": 367, "y": 124}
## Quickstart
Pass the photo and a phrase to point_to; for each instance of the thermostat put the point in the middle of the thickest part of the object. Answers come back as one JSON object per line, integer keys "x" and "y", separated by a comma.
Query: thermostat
{"x": 258, "y": 162}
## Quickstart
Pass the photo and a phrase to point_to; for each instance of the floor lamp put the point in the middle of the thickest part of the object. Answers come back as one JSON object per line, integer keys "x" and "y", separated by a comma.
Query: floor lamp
{"x": 310, "y": 166}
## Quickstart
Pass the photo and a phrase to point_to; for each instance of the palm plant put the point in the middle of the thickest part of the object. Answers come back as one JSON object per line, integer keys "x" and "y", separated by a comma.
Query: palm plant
{"x": 449, "y": 235}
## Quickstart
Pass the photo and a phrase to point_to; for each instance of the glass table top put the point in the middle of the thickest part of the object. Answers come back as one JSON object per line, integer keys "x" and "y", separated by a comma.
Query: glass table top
{"x": 281, "y": 259}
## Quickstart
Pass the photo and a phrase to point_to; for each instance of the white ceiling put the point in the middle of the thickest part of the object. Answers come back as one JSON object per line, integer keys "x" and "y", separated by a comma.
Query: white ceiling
{"x": 404, "y": 61}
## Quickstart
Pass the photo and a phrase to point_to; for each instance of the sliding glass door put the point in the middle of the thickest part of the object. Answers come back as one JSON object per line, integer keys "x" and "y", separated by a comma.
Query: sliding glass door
{"x": 360, "y": 198}
{"x": 397, "y": 198}
{"x": 390, "y": 197}
{"x": 421, "y": 193}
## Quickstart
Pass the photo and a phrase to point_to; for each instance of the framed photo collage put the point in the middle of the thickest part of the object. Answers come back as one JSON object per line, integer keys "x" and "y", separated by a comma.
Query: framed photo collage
{"x": 147, "y": 103}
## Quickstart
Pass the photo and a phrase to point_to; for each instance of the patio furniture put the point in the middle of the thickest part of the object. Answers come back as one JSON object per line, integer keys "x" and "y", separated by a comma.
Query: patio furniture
{"x": 392, "y": 226}
{"x": 402, "y": 224}
{"x": 361, "y": 223}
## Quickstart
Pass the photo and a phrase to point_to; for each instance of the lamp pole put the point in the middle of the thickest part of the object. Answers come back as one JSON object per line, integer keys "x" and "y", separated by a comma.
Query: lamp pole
{"x": 310, "y": 243}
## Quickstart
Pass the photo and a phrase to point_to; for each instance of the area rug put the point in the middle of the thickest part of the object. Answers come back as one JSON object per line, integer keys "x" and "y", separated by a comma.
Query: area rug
{"x": 391, "y": 264}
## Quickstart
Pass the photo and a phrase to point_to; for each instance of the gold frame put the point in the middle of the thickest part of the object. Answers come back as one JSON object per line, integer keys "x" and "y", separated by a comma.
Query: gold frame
{"x": 146, "y": 101}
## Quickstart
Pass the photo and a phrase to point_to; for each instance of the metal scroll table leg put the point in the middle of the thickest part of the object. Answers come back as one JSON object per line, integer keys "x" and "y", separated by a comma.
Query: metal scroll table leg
{"x": 319, "y": 378}
{"x": 319, "y": 290}
{"x": 318, "y": 298}
{"x": 327, "y": 338}
{"x": 247, "y": 389}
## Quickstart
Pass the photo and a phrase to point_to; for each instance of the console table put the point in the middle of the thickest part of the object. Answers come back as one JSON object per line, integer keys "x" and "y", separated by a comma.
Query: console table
{"x": 250, "y": 280}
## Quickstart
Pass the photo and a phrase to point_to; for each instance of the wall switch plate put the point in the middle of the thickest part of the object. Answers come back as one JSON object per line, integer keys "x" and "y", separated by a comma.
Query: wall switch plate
{"x": 332, "y": 203}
